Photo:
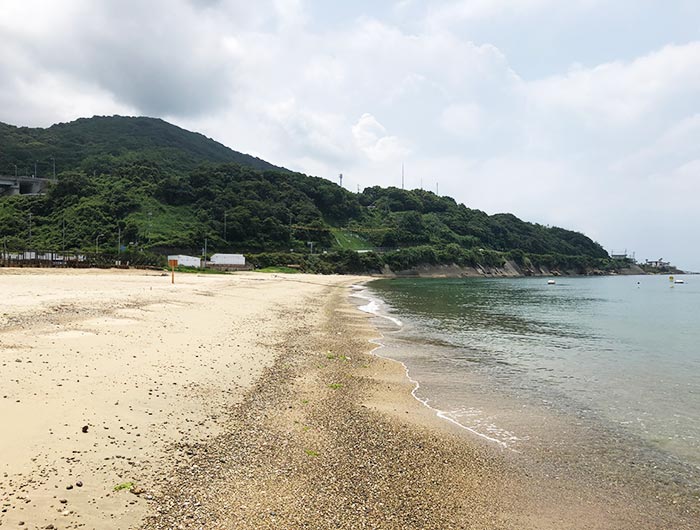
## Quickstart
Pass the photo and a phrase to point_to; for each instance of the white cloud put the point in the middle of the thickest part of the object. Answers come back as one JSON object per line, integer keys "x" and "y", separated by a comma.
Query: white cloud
{"x": 464, "y": 120}
{"x": 445, "y": 13}
{"x": 291, "y": 14}
{"x": 619, "y": 93}
{"x": 669, "y": 148}
{"x": 371, "y": 139}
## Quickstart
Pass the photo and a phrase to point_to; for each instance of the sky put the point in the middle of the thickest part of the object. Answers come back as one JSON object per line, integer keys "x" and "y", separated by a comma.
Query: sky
{"x": 583, "y": 114}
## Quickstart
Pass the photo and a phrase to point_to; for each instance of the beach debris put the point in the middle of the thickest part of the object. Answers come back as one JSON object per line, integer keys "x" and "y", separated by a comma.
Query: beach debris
{"x": 137, "y": 490}
{"x": 124, "y": 486}
{"x": 85, "y": 428}
{"x": 79, "y": 483}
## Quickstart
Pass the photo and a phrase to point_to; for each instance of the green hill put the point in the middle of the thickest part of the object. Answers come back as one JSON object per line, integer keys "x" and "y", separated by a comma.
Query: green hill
{"x": 158, "y": 188}
{"x": 102, "y": 143}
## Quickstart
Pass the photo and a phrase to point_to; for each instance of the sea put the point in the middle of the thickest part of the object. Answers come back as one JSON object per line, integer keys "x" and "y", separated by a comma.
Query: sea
{"x": 607, "y": 367}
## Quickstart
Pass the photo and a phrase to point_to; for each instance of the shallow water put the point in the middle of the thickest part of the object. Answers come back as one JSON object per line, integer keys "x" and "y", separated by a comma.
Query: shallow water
{"x": 618, "y": 354}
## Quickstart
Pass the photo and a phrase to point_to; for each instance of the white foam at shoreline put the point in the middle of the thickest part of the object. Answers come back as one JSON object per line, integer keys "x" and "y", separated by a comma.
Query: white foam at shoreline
{"x": 374, "y": 307}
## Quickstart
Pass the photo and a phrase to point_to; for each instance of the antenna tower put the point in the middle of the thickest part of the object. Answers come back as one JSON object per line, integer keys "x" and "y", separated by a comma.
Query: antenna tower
{"x": 340, "y": 177}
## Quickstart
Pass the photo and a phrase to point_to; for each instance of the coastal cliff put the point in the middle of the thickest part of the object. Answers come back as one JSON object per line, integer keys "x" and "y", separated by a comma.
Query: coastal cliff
{"x": 508, "y": 270}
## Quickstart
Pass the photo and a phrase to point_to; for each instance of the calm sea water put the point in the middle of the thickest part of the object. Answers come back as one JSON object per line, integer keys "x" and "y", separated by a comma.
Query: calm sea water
{"x": 498, "y": 355}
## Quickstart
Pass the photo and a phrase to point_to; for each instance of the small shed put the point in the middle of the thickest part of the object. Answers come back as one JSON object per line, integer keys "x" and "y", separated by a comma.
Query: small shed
{"x": 227, "y": 259}
{"x": 186, "y": 261}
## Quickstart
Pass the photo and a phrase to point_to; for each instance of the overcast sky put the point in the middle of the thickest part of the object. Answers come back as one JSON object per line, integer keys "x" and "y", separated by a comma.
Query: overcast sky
{"x": 579, "y": 113}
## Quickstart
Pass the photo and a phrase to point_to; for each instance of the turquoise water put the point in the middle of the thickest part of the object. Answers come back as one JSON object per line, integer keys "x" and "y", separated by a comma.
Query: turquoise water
{"x": 514, "y": 359}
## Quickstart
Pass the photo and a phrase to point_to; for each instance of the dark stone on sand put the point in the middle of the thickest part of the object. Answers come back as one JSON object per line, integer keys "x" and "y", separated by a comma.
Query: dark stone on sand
{"x": 85, "y": 428}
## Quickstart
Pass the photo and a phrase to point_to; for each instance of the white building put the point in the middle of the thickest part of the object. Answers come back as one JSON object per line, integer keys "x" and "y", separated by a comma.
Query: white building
{"x": 227, "y": 259}
{"x": 186, "y": 261}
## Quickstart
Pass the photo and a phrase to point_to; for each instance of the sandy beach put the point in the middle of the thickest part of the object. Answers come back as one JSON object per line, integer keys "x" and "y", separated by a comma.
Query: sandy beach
{"x": 242, "y": 401}
{"x": 103, "y": 372}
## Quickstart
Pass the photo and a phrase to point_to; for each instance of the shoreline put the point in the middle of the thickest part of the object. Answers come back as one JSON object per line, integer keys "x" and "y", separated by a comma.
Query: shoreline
{"x": 371, "y": 309}
{"x": 331, "y": 437}
{"x": 626, "y": 485}
{"x": 320, "y": 433}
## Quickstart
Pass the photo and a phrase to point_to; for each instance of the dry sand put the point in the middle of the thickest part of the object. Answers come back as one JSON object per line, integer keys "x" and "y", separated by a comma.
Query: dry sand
{"x": 140, "y": 362}
{"x": 244, "y": 401}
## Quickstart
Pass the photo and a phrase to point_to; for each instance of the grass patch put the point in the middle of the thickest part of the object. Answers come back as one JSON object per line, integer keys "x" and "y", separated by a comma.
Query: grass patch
{"x": 331, "y": 356}
{"x": 165, "y": 225}
{"x": 280, "y": 270}
{"x": 335, "y": 386}
{"x": 124, "y": 486}
{"x": 311, "y": 452}
{"x": 350, "y": 240}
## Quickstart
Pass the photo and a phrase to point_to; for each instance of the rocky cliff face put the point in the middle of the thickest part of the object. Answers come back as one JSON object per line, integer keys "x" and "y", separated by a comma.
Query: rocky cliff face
{"x": 509, "y": 270}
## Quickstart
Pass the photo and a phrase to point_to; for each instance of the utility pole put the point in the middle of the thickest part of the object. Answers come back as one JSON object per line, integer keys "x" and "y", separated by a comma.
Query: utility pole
{"x": 97, "y": 245}
{"x": 402, "y": 176}
{"x": 340, "y": 177}
{"x": 437, "y": 188}
{"x": 225, "y": 238}
{"x": 205, "y": 254}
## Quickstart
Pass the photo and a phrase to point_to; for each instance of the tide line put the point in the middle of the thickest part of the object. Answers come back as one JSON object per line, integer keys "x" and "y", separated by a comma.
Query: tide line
{"x": 372, "y": 307}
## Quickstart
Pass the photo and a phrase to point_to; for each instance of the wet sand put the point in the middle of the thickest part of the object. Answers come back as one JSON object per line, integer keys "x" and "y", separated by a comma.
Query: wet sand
{"x": 258, "y": 405}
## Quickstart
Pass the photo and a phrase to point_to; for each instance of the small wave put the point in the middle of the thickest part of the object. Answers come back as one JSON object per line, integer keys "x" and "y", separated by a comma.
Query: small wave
{"x": 495, "y": 435}
{"x": 445, "y": 415}
{"x": 476, "y": 420}
{"x": 373, "y": 306}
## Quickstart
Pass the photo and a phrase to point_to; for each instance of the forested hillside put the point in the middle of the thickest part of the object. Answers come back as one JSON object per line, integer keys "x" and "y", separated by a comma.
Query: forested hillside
{"x": 103, "y": 143}
{"x": 157, "y": 188}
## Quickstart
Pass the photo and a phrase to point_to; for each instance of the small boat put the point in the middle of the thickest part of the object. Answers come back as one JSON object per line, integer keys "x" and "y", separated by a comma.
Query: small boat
{"x": 679, "y": 281}
{"x": 551, "y": 282}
